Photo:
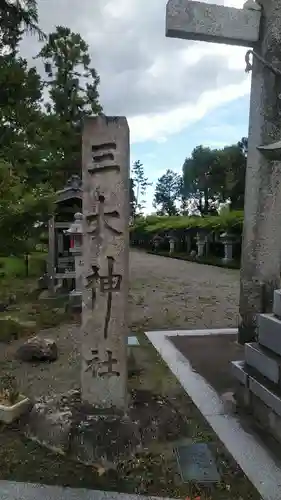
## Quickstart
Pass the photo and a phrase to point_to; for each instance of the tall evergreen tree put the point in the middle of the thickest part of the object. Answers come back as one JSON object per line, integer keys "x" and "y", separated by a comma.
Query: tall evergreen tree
{"x": 73, "y": 94}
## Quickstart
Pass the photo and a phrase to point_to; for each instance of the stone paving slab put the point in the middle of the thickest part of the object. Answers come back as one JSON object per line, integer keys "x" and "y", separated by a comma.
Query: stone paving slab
{"x": 24, "y": 491}
{"x": 248, "y": 451}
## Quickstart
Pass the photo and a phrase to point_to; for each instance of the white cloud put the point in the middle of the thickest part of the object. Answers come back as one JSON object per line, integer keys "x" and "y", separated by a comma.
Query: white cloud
{"x": 161, "y": 85}
{"x": 161, "y": 125}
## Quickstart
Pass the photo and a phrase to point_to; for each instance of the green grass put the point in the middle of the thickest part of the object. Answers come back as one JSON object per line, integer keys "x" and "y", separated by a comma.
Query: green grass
{"x": 15, "y": 266}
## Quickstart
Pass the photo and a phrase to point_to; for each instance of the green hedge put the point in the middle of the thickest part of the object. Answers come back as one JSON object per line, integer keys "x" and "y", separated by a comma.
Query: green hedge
{"x": 227, "y": 221}
{"x": 208, "y": 261}
{"x": 145, "y": 229}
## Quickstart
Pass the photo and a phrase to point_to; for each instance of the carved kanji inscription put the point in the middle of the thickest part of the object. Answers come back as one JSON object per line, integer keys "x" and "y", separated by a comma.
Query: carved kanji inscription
{"x": 99, "y": 368}
{"x": 107, "y": 284}
{"x": 100, "y": 218}
{"x": 101, "y": 154}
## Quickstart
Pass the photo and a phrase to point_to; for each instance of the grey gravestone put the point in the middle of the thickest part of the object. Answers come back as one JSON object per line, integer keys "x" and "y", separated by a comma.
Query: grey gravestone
{"x": 196, "y": 463}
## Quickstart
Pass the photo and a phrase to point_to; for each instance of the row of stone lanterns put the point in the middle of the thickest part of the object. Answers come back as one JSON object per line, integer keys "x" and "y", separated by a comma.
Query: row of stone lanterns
{"x": 202, "y": 242}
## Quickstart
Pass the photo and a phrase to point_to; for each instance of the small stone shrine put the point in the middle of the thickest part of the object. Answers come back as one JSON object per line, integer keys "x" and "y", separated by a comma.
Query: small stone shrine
{"x": 61, "y": 270}
{"x": 259, "y": 376}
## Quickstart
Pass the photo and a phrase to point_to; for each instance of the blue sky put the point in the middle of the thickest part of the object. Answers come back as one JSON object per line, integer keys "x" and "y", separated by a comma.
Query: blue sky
{"x": 223, "y": 126}
{"x": 176, "y": 94}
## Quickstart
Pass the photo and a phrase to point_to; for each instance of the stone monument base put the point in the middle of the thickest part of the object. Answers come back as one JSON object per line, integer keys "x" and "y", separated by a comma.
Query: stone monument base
{"x": 259, "y": 375}
{"x": 266, "y": 418}
{"x": 89, "y": 435}
{"x": 75, "y": 301}
{"x": 94, "y": 436}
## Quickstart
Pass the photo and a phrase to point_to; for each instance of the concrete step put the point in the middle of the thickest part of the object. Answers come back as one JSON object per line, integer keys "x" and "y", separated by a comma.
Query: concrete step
{"x": 277, "y": 303}
{"x": 269, "y": 332}
{"x": 257, "y": 385}
{"x": 240, "y": 372}
{"x": 264, "y": 361}
{"x": 15, "y": 491}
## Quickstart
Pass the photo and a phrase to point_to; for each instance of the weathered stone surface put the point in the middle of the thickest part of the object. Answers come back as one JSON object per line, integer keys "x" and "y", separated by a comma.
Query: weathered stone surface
{"x": 277, "y": 303}
{"x": 26, "y": 491}
{"x": 49, "y": 423}
{"x": 229, "y": 402}
{"x": 107, "y": 437}
{"x": 264, "y": 361}
{"x": 38, "y": 349}
{"x": 75, "y": 301}
{"x": 269, "y": 332}
{"x": 106, "y": 261}
{"x": 239, "y": 371}
{"x": 265, "y": 394}
{"x": 193, "y": 20}
{"x": 261, "y": 412}
{"x": 261, "y": 249}
{"x": 197, "y": 463}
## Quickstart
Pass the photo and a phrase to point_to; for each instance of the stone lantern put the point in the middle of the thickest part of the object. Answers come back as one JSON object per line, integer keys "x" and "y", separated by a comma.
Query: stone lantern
{"x": 75, "y": 232}
{"x": 156, "y": 242}
{"x": 172, "y": 242}
{"x": 200, "y": 243}
{"x": 228, "y": 239}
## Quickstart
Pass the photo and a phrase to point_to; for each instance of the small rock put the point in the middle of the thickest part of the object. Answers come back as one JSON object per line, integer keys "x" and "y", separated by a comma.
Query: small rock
{"x": 38, "y": 349}
{"x": 229, "y": 402}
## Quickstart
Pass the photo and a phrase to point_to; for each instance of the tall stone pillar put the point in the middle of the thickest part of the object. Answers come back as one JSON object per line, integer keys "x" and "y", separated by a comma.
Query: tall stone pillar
{"x": 106, "y": 160}
{"x": 261, "y": 248}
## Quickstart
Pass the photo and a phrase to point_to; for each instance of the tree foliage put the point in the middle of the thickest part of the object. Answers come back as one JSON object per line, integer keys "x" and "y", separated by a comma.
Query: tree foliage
{"x": 140, "y": 184}
{"x": 167, "y": 193}
{"x": 214, "y": 176}
{"x": 72, "y": 85}
{"x": 40, "y": 148}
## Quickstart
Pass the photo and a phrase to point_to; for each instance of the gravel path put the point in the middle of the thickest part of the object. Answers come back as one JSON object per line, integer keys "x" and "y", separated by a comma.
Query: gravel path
{"x": 164, "y": 294}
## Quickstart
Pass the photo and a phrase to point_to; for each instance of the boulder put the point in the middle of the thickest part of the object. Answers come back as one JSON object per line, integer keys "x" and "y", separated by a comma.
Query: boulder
{"x": 38, "y": 349}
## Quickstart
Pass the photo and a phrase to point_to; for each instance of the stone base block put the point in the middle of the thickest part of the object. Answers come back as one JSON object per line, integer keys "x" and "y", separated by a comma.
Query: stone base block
{"x": 264, "y": 361}
{"x": 75, "y": 302}
{"x": 267, "y": 418}
{"x": 266, "y": 394}
{"x": 66, "y": 425}
{"x": 269, "y": 332}
{"x": 105, "y": 437}
{"x": 277, "y": 303}
{"x": 239, "y": 372}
